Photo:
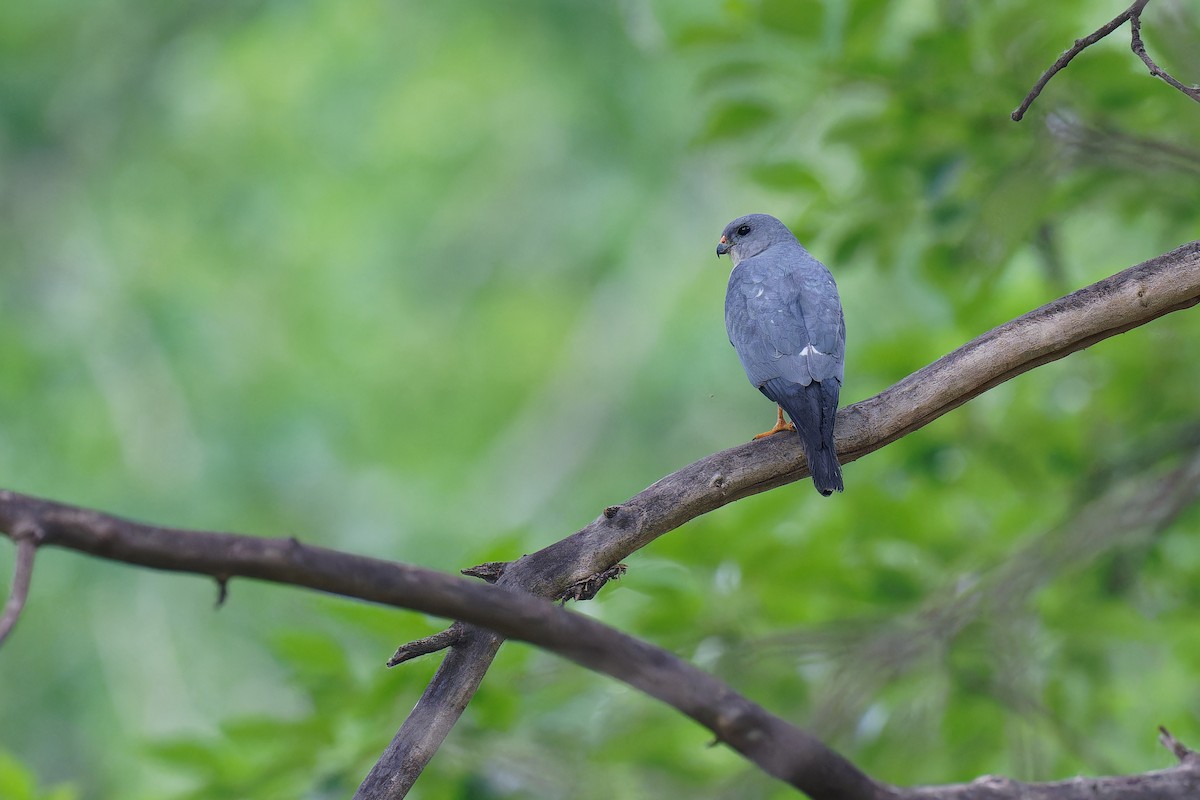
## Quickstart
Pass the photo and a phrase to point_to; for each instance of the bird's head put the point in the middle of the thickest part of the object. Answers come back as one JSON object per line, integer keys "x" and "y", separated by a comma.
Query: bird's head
{"x": 748, "y": 236}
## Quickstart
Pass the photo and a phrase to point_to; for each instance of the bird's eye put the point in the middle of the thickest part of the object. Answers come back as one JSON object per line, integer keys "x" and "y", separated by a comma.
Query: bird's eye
{"x": 743, "y": 230}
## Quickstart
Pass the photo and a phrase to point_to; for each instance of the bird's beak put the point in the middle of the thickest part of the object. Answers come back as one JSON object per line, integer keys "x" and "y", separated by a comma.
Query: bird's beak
{"x": 723, "y": 247}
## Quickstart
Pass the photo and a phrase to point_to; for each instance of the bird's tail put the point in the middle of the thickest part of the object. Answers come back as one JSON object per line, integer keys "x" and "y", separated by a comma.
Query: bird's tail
{"x": 812, "y": 409}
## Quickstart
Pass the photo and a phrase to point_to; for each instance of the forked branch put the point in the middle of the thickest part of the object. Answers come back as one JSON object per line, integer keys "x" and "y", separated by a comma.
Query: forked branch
{"x": 1132, "y": 15}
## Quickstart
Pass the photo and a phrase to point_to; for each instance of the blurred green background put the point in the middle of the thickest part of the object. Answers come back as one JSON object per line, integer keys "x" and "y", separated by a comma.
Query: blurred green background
{"x": 435, "y": 282}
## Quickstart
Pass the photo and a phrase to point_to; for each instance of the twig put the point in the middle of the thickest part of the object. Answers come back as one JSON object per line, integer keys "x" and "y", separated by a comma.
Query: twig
{"x": 27, "y": 537}
{"x": 1074, "y": 50}
{"x": 1133, "y": 15}
{"x": 489, "y": 571}
{"x": 1135, "y": 24}
{"x": 1181, "y": 751}
{"x": 430, "y": 644}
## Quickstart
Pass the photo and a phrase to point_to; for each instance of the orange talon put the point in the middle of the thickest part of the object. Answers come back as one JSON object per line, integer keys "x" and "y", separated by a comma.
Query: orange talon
{"x": 780, "y": 425}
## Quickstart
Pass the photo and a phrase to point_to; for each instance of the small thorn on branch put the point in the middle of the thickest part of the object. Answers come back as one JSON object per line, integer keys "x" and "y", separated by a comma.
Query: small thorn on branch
{"x": 222, "y": 590}
{"x": 489, "y": 571}
{"x": 589, "y": 587}
{"x": 430, "y": 644}
{"x": 1181, "y": 751}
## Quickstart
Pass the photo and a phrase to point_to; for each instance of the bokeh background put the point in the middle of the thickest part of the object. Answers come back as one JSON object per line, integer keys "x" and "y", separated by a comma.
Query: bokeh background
{"x": 435, "y": 282}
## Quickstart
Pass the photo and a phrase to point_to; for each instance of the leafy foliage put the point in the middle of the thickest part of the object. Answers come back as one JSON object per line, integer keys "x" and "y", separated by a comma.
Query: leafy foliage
{"x": 16, "y": 783}
{"x": 434, "y": 282}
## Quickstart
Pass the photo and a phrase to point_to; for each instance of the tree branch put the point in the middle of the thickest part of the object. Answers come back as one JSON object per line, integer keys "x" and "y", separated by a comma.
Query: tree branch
{"x": 1075, "y": 322}
{"x": 1181, "y": 782}
{"x": 430, "y": 644}
{"x": 27, "y": 537}
{"x": 1074, "y": 50}
{"x": 1184, "y": 753}
{"x": 779, "y": 748}
{"x": 1132, "y": 15}
{"x": 1139, "y": 49}
{"x": 1114, "y": 305}
{"x": 1131, "y": 298}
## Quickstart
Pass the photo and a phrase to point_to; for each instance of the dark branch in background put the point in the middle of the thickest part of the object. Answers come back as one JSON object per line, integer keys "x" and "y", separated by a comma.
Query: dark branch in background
{"x": 1114, "y": 305}
{"x": 1117, "y": 149}
{"x": 782, "y": 750}
{"x": 491, "y": 572}
{"x": 779, "y": 748}
{"x": 864, "y": 656}
{"x": 26, "y": 536}
{"x": 1132, "y": 15}
{"x": 1181, "y": 782}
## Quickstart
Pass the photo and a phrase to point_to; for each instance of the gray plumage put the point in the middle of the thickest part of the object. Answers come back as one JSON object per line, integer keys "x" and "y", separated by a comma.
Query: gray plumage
{"x": 785, "y": 321}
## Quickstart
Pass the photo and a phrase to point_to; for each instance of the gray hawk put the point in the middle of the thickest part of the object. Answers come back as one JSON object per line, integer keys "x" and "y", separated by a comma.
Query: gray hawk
{"x": 785, "y": 321}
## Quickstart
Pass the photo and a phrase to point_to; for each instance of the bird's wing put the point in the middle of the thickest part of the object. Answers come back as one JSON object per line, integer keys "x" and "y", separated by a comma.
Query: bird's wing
{"x": 817, "y": 296}
{"x": 784, "y": 321}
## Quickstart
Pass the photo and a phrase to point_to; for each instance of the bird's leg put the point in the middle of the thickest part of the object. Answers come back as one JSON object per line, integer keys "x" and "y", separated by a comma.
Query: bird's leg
{"x": 780, "y": 425}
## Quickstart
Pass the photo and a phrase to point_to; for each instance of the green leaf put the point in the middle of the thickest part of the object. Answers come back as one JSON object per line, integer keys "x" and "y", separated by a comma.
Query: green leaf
{"x": 735, "y": 119}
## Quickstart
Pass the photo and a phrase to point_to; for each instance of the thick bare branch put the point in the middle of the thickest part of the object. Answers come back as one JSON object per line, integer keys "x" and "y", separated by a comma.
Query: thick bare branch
{"x": 1181, "y": 782}
{"x": 1077, "y": 321}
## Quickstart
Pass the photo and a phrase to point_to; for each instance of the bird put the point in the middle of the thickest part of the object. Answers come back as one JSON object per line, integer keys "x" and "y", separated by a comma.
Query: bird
{"x": 784, "y": 318}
